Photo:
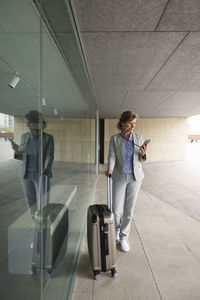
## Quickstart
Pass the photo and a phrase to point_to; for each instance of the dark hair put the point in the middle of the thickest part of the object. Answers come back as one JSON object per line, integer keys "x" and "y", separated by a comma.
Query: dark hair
{"x": 34, "y": 116}
{"x": 126, "y": 116}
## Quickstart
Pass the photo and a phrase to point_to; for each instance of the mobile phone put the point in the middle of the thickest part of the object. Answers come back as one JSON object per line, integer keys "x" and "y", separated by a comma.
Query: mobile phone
{"x": 146, "y": 142}
{"x": 12, "y": 142}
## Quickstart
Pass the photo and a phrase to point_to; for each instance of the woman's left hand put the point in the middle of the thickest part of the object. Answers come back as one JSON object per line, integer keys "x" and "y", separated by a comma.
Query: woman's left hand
{"x": 143, "y": 149}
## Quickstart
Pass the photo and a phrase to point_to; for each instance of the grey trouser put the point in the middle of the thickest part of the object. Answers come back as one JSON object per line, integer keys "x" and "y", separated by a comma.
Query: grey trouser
{"x": 125, "y": 192}
{"x": 32, "y": 183}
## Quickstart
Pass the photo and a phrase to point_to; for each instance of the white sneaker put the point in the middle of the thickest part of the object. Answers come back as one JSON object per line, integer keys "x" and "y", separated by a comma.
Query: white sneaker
{"x": 117, "y": 238}
{"x": 124, "y": 245}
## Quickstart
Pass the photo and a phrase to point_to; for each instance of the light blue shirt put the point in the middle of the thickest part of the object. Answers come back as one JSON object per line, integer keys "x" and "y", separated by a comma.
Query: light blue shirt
{"x": 128, "y": 148}
{"x": 32, "y": 154}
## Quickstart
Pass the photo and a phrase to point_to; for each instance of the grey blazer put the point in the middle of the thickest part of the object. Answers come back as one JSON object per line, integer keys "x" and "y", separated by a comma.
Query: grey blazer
{"x": 48, "y": 152}
{"x": 116, "y": 156}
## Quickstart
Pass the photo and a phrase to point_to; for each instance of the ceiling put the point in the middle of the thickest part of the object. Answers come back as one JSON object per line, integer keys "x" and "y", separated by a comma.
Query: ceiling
{"x": 143, "y": 55}
{"x": 56, "y": 75}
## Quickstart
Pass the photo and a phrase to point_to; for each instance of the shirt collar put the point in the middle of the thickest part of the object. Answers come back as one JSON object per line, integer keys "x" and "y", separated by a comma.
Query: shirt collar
{"x": 130, "y": 138}
{"x": 32, "y": 137}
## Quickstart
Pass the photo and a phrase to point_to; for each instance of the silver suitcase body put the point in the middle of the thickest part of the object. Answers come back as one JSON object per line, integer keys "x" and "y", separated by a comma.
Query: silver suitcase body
{"x": 101, "y": 237}
{"x": 50, "y": 231}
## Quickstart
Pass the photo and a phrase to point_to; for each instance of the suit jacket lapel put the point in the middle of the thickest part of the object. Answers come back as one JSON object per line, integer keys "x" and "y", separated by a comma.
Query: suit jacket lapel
{"x": 135, "y": 140}
{"x": 27, "y": 137}
{"x": 25, "y": 142}
{"x": 120, "y": 145}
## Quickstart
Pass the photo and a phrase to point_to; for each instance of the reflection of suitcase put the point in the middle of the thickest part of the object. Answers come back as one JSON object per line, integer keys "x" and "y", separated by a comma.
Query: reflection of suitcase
{"x": 51, "y": 227}
{"x": 101, "y": 237}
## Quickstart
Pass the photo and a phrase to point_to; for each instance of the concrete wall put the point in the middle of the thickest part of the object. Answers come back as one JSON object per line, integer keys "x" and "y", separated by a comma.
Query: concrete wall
{"x": 168, "y": 137}
{"x": 74, "y": 138}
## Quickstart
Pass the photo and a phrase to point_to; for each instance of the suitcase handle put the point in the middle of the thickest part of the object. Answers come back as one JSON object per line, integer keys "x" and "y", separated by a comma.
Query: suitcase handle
{"x": 109, "y": 193}
{"x": 106, "y": 244}
{"x": 46, "y": 191}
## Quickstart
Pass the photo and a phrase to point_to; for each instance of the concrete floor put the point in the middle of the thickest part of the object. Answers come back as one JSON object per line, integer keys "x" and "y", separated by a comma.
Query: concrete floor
{"x": 164, "y": 258}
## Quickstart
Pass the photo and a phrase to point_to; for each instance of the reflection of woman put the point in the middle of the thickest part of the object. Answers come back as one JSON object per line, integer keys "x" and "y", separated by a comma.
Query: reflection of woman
{"x": 30, "y": 153}
{"x": 126, "y": 151}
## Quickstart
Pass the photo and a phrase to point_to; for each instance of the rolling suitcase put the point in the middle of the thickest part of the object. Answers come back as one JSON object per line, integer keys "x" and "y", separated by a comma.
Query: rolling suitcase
{"x": 101, "y": 236}
{"x": 50, "y": 232}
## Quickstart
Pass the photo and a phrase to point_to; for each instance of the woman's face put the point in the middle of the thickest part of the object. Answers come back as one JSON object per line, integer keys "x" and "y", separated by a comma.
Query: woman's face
{"x": 34, "y": 127}
{"x": 27, "y": 123}
{"x": 129, "y": 126}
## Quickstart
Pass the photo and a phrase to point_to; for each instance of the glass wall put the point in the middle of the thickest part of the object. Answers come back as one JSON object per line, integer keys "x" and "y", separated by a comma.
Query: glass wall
{"x": 47, "y": 165}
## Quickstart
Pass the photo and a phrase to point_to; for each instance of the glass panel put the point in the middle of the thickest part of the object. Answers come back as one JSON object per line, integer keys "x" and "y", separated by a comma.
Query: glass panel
{"x": 47, "y": 183}
{"x": 19, "y": 93}
{"x": 69, "y": 111}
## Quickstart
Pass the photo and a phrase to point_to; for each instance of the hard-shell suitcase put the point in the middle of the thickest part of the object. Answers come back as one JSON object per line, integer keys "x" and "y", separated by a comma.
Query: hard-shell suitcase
{"x": 50, "y": 231}
{"x": 101, "y": 237}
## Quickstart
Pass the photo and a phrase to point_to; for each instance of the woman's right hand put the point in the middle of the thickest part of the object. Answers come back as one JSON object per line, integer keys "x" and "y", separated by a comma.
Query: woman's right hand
{"x": 15, "y": 146}
{"x": 109, "y": 172}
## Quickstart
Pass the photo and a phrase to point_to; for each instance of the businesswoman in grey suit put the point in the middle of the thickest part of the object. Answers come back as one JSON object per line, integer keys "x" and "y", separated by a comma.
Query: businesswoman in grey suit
{"x": 33, "y": 182}
{"x": 126, "y": 152}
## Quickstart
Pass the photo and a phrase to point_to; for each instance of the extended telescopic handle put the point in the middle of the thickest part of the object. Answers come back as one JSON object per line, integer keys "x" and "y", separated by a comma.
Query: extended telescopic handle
{"x": 46, "y": 191}
{"x": 109, "y": 192}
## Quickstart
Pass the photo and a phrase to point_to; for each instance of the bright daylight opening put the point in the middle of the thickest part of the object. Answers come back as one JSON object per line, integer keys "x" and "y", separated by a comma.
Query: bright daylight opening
{"x": 193, "y": 146}
{"x": 6, "y": 132}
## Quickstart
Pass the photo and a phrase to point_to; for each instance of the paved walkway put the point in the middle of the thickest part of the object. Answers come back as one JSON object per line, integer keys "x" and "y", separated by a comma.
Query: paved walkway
{"x": 164, "y": 260}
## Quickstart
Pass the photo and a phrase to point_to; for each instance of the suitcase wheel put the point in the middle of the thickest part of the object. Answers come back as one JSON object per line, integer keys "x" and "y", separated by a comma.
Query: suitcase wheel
{"x": 33, "y": 270}
{"x": 49, "y": 274}
{"x": 97, "y": 275}
{"x": 114, "y": 273}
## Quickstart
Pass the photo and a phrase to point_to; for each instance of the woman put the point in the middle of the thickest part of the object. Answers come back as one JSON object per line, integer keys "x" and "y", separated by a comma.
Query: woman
{"x": 30, "y": 154}
{"x": 126, "y": 152}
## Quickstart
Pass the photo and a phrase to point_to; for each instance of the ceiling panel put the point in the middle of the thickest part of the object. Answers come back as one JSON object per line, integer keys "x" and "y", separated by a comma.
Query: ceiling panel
{"x": 143, "y": 55}
{"x": 127, "y": 62}
{"x": 186, "y": 102}
{"x": 117, "y": 96}
{"x": 117, "y": 15}
{"x": 139, "y": 99}
{"x": 181, "y": 15}
{"x": 182, "y": 70}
